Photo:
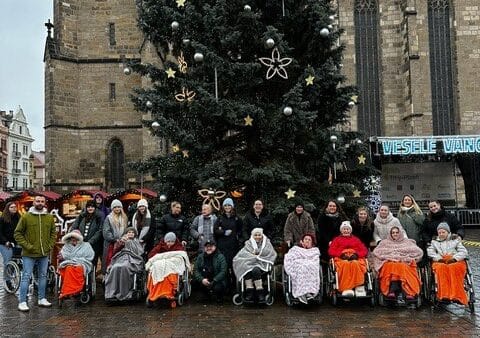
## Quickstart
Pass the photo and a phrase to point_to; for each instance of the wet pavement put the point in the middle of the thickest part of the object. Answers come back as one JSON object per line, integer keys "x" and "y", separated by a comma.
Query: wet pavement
{"x": 195, "y": 319}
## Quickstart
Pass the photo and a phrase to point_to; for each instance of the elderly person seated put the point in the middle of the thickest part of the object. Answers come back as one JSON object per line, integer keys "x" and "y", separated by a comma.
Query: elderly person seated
{"x": 395, "y": 260}
{"x": 448, "y": 256}
{"x": 167, "y": 261}
{"x": 302, "y": 265}
{"x": 348, "y": 253}
{"x": 75, "y": 262}
{"x": 252, "y": 261}
{"x": 126, "y": 261}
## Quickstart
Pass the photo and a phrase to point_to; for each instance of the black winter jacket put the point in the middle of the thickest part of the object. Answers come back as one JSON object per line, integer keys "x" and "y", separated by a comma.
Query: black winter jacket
{"x": 264, "y": 221}
{"x": 228, "y": 235}
{"x": 433, "y": 220}
{"x": 170, "y": 223}
{"x": 7, "y": 229}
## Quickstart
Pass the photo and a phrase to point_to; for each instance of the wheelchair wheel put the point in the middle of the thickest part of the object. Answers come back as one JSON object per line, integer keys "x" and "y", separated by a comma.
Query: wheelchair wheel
{"x": 269, "y": 299}
{"x": 381, "y": 299}
{"x": 288, "y": 299}
{"x": 334, "y": 298}
{"x": 237, "y": 299}
{"x": 13, "y": 272}
{"x": 84, "y": 297}
{"x": 419, "y": 301}
{"x": 372, "y": 300}
{"x": 51, "y": 278}
{"x": 180, "y": 299}
{"x": 471, "y": 306}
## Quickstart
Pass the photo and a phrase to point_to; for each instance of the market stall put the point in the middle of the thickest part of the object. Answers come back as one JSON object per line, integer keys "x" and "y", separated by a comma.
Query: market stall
{"x": 74, "y": 202}
{"x": 24, "y": 199}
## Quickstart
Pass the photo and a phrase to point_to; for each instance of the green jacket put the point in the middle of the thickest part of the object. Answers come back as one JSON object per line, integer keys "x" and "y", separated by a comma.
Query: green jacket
{"x": 36, "y": 233}
{"x": 219, "y": 267}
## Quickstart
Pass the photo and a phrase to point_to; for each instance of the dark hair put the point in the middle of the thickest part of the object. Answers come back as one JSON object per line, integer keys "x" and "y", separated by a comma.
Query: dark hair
{"x": 90, "y": 203}
{"x": 7, "y": 215}
{"x": 340, "y": 211}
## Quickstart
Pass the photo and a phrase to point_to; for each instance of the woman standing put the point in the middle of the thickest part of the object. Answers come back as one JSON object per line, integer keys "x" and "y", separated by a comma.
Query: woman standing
{"x": 298, "y": 223}
{"x": 8, "y": 222}
{"x": 329, "y": 223}
{"x": 384, "y": 222}
{"x": 142, "y": 221}
{"x": 411, "y": 218}
{"x": 258, "y": 217}
{"x": 363, "y": 226}
{"x": 436, "y": 215}
{"x": 113, "y": 229}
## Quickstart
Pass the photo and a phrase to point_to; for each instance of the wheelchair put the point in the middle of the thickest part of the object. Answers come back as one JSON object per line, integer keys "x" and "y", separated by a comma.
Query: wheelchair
{"x": 416, "y": 302}
{"x": 336, "y": 296}
{"x": 269, "y": 285}
{"x": 431, "y": 282}
{"x": 13, "y": 270}
{"x": 139, "y": 288}
{"x": 183, "y": 291}
{"x": 287, "y": 290}
{"x": 88, "y": 292}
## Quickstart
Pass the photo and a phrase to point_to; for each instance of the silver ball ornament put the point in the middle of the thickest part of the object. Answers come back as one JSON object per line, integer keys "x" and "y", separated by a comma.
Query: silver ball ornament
{"x": 175, "y": 25}
{"x": 330, "y": 27}
{"x": 247, "y": 8}
{"x": 341, "y": 199}
{"x": 269, "y": 43}
{"x": 149, "y": 104}
{"x": 127, "y": 71}
{"x": 333, "y": 138}
{"x": 331, "y": 17}
{"x": 198, "y": 57}
{"x": 358, "y": 141}
{"x": 287, "y": 111}
{"x": 351, "y": 104}
{"x": 162, "y": 198}
{"x": 155, "y": 125}
{"x": 186, "y": 42}
{"x": 324, "y": 32}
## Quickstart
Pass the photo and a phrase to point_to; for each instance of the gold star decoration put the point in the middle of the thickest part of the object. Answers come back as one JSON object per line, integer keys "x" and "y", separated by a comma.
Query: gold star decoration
{"x": 356, "y": 193}
{"x": 185, "y": 95}
{"x": 248, "y": 120}
{"x": 361, "y": 159}
{"x": 180, "y": 3}
{"x": 185, "y": 153}
{"x": 309, "y": 80}
{"x": 182, "y": 64}
{"x": 354, "y": 98}
{"x": 290, "y": 193}
{"x": 175, "y": 148}
{"x": 170, "y": 73}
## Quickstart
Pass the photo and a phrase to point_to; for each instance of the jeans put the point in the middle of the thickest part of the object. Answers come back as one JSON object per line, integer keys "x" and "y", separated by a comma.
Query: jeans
{"x": 7, "y": 253}
{"x": 42, "y": 268}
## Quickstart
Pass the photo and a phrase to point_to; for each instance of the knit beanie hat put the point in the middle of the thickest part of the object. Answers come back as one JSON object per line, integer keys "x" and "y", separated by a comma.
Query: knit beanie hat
{"x": 228, "y": 201}
{"x": 116, "y": 203}
{"x": 132, "y": 229}
{"x": 255, "y": 230}
{"x": 346, "y": 224}
{"x": 170, "y": 237}
{"x": 444, "y": 226}
{"x": 142, "y": 203}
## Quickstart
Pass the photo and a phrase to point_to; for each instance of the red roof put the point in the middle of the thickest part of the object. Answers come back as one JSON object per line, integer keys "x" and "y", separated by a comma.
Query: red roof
{"x": 148, "y": 192}
{"x": 49, "y": 195}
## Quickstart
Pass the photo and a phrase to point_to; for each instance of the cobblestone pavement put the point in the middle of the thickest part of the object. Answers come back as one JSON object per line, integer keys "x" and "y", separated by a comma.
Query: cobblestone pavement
{"x": 196, "y": 319}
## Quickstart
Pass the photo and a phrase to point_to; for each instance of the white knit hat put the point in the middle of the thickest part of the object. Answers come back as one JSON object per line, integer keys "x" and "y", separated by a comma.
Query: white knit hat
{"x": 346, "y": 224}
{"x": 116, "y": 203}
{"x": 142, "y": 203}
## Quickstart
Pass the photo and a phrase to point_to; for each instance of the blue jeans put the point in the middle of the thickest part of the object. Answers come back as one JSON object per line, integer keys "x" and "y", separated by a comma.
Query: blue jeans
{"x": 42, "y": 268}
{"x": 7, "y": 253}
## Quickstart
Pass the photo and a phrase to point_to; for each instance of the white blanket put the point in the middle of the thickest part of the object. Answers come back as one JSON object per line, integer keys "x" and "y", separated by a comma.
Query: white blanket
{"x": 303, "y": 267}
{"x": 163, "y": 264}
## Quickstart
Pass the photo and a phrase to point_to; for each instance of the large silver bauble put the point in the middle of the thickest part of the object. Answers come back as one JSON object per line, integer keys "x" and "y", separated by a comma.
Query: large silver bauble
{"x": 324, "y": 32}
{"x": 269, "y": 43}
{"x": 198, "y": 57}
{"x": 287, "y": 111}
{"x": 155, "y": 125}
{"x": 127, "y": 71}
{"x": 175, "y": 25}
{"x": 186, "y": 42}
{"x": 351, "y": 104}
{"x": 162, "y": 198}
{"x": 247, "y": 8}
{"x": 333, "y": 138}
{"x": 341, "y": 199}
{"x": 149, "y": 104}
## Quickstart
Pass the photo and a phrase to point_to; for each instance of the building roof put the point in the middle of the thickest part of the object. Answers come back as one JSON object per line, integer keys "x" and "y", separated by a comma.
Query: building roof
{"x": 38, "y": 159}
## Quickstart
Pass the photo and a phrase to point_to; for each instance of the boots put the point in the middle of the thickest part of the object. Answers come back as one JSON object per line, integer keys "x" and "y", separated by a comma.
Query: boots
{"x": 259, "y": 291}
{"x": 249, "y": 290}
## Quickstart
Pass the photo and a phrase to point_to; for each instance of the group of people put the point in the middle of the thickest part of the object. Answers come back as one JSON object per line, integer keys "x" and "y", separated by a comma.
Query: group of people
{"x": 233, "y": 249}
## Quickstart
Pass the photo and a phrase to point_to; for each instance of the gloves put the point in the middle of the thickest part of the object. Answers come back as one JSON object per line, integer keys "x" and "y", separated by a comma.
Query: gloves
{"x": 353, "y": 257}
{"x": 441, "y": 260}
{"x": 228, "y": 232}
{"x": 451, "y": 260}
{"x": 344, "y": 256}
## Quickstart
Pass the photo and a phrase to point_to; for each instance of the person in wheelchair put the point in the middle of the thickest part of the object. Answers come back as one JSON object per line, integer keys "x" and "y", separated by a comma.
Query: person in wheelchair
{"x": 75, "y": 263}
{"x": 302, "y": 265}
{"x": 167, "y": 261}
{"x": 395, "y": 260}
{"x": 127, "y": 261}
{"x": 251, "y": 262}
{"x": 448, "y": 264}
{"x": 348, "y": 253}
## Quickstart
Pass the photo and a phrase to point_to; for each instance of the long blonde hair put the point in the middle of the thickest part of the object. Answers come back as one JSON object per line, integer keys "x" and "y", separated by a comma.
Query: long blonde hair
{"x": 415, "y": 206}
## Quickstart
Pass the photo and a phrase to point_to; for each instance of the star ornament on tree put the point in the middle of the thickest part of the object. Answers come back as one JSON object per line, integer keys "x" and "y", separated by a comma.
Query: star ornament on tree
{"x": 309, "y": 80}
{"x": 175, "y": 148}
{"x": 248, "y": 121}
{"x": 356, "y": 193}
{"x": 361, "y": 159}
{"x": 170, "y": 73}
{"x": 180, "y": 3}
{"x": 290, "y": 193}
{"x": 276, "y": 65}
{"x": 185, "y": 153}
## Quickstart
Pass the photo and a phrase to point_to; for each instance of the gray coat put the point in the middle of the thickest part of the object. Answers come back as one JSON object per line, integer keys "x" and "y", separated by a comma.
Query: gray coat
{"x": 412, "y": 223}
{"x": 453, "y": 247}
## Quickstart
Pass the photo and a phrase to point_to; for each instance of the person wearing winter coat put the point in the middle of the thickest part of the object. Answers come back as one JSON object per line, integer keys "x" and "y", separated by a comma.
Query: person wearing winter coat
{"x": 383, "y": 223}
{"x": 349, "y": 254}
{"x": 328, "y": 224}
{"x": 395, "y": 260}
{"x": 411, "y": 218}
{"x": 202, "y": 226}
{"x": 436, "y": 215}
{"x": 298, "y": 223}
{"x": 8, "y": 222}
{"x": 142, "y": 221}
{"x": 258, "y": 217}
{"x": 113, "y": 229}
{"x": 448, "y": 256}
{"x": 90, "y": 225}
{"x": 362, "y": 226}
{"x": 100, "y": 205}
{"x": 174, "y": 222}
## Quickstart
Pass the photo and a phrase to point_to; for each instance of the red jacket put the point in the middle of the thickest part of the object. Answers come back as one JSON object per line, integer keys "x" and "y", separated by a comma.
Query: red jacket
{"x": 162, "y": 247}
{"x": 341, "y": 243}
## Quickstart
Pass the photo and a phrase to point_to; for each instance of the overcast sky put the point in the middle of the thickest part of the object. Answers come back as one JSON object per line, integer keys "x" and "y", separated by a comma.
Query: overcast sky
{"x": 22, "y": 42}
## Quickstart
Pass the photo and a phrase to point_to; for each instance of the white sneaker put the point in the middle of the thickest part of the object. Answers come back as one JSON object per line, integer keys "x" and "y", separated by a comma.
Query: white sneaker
{"x": 348, "y": 293}
{"x": 360, "y": 291}
{"x": 23, "y": 307}
{"x": 44, "y": 303}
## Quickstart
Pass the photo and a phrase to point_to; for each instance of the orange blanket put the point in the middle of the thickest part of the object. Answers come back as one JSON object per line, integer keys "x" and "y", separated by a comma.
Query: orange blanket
{"x": 450, "y": 278}
{"x": 350, "y": 273}
{"x": 403, "y": 272}
{"x": 163, "y": 289}
{"x": 72, "y": 280}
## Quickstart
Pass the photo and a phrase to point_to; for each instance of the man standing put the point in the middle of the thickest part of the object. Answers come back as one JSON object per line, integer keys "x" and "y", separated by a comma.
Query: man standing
{"x": 202, "y": 226}
{"x": 36, "y": 234}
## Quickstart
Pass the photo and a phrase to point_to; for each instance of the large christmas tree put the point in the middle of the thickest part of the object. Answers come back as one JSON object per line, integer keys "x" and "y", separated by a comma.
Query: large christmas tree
{"x": 252, "y": 99}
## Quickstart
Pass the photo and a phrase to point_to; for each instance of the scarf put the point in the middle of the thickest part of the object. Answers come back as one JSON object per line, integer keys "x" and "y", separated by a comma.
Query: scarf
{"x": 145, "y": 226}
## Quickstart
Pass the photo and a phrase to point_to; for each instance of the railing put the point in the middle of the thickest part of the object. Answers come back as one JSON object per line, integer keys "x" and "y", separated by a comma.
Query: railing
{"x": 468, "y": 217}
{"x": 17, "y": 171}
{"x": 17, "y": 154}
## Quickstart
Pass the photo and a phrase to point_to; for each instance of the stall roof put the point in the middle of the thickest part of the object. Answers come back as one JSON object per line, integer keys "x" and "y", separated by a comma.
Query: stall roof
{"x": 147, "y": 193}
{"x": 4, "y": 195}
{"x": 49, "y": 195}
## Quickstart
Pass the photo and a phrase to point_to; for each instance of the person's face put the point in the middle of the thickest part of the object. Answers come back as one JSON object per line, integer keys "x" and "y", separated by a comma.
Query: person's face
{"x": 258, "y": 206}
{"x": 130, "y": 234}
{"x": 74, "y": 241}
{"x": 169, "y": 243}
{"x": 298, "y": 209}
{"x": 39, "y": 202}
{"x": 209, "y": 249}
{"x": 362, "y": 216}
{"x": 12, "y": 208}
{"x": 395, "y": 233}
{"x": 117, "y": 210}
{"x": 442, "y": 234}
{"x": 142, "y": 209}
{"x": 176, "y": 209}
{"x": 331, "y": 208}
{"x": 90, "y": 209}
{"x": 346, "y": 231}
{"x": 257, "y": 236}
{"x": 227, "y": 208}
{"x": 384, "y": 211}
{"x": 434, "y": 207}
{"x": 307, "y": 242}
{"x": 99, "y": 199}
{"x": 206, "y": 210}
{"x": 407, "y": 201}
